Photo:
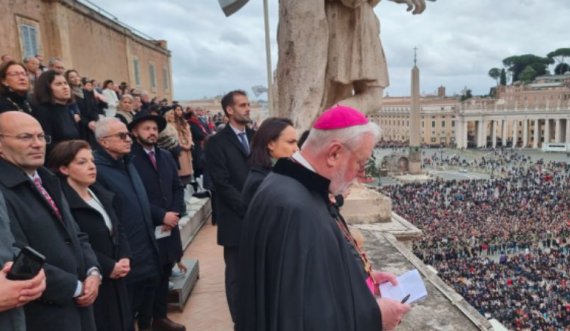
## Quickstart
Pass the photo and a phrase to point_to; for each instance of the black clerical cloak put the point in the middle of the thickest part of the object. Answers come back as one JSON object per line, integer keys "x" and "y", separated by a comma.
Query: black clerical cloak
{"x": 297, "y": 271}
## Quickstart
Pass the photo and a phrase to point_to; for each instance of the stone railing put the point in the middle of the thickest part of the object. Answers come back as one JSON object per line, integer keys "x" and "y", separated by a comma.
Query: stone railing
{"x": 387, "y": 238}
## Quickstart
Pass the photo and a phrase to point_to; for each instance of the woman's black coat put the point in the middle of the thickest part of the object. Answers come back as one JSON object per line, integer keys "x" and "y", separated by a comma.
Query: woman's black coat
{"x": 112, "y": 307}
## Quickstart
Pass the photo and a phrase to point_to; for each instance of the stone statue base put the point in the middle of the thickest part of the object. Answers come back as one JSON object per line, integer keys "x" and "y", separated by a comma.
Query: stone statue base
{"x": 364, "y": 205}
{"x": 415, "y": 161}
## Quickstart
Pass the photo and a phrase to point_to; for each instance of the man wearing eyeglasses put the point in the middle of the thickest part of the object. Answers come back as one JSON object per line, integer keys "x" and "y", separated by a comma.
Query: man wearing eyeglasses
{"x": 116, "y": 172}
{"x": 40, "y": 218}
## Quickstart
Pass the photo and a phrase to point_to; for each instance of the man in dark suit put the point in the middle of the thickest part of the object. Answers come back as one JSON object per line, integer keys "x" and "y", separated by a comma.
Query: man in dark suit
{"x": 116, "y": 172}
{"x": 226, "y": 160}
{"x": 158, "y": 171}
{"x": 40, "y": 218}
{"x": 14, "y": 293}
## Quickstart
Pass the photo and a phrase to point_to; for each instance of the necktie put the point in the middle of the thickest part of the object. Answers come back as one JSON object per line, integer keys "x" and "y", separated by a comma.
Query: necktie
{"x": 152, "y": 159}
{"x": 38, "y": 183}
{"x": 243, "y": 142}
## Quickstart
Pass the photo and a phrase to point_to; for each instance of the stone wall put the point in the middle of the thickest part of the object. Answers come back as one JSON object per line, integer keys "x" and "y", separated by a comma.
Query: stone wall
{"x": 88, "y": 41}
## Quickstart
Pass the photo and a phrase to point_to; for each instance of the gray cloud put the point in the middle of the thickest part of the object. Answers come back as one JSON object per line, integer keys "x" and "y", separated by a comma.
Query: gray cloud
{"x": 458, "y": 41}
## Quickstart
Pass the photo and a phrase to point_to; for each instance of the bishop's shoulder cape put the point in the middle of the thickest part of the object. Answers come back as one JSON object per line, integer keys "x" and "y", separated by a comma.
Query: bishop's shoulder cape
{"x": 297, "y": 271}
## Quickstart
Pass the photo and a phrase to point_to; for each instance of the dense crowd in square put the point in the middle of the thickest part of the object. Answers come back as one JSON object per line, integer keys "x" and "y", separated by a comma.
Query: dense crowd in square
{"x": 500, "y": 243}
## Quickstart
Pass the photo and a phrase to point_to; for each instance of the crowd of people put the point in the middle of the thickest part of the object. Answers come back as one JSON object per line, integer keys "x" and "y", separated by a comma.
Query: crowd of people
{"x": 501, "y": 243}
{"x": 94, "y": 181}
{"x": 108, "y": 168}
{"x": 94, "y": 178}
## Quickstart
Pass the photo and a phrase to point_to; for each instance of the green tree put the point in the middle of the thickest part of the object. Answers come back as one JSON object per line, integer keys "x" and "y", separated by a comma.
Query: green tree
{"x": 528, "y": 74}
{"x": 559, "y": 55}
{"x": 561, "y": 68}
{"x": 495, "y": 73}
{"x": 503, "y": 77}
{"x": 516, "y": 64}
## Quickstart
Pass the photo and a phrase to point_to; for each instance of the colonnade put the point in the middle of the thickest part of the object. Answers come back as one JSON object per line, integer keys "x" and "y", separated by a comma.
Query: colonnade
{"x": 528, "y": 132}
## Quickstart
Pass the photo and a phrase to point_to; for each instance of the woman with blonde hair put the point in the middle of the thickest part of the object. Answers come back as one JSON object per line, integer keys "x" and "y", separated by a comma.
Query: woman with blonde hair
{"x": 124, "y": 110}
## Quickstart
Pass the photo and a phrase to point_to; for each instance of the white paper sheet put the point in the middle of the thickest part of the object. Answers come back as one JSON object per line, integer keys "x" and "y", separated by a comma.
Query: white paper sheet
{"x": 408, "y": 283}
{"x": 159, "y": 233}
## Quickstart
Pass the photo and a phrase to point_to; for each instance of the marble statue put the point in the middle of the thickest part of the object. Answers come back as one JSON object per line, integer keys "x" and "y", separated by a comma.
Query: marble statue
{"x": 330, "y": 52}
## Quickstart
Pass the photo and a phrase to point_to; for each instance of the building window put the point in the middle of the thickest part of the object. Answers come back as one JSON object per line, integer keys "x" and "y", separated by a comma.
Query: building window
{"x": 29, "y": 36}
{"x": 443, "y": 124}
{"x": 433, "y": 140}
{"x": 452, "y": 124}
{"x": 165, "y": 78}
{"x": 137, "y": 71}
{"x": 152, "y": 75}
{"x": 433, "y": 124}
{"x": 29, "y": 39}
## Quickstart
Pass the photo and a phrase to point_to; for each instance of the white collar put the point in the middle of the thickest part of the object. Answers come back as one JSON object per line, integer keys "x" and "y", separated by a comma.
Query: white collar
{"x": 299, "y": 158}
{"x": 34, "y": 176}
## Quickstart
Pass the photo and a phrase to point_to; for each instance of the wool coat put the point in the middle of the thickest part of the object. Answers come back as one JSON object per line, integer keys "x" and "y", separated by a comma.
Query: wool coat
{"x": 67, "y": 250}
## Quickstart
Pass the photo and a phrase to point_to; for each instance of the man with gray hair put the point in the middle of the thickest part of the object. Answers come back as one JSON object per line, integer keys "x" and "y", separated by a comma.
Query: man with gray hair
{"x": 298, "y": 269}
{"x": 32, "y": 65}
{"x": 116, "y": 173}
{"x": 56, "y": 64}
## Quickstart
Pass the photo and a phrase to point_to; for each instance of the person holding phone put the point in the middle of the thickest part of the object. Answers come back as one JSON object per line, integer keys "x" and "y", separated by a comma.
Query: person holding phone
{"x": 159, "y": 174}
{"x": 40, "y": 218}
{"x": 14, "y": 294}
{"x": 94, "y": 210}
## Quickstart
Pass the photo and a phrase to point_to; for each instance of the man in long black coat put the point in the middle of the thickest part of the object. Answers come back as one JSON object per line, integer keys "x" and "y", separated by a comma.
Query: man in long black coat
{"x": 297, "y": 265}
{"x": 158, "y": 171}
{"x": 226, "y": 160}
{"x": 116, "y": 172}
{"x": 40, "y": 218}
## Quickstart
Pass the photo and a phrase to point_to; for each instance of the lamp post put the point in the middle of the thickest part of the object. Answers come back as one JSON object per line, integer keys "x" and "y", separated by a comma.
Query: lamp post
{"x": 230, "y": 7}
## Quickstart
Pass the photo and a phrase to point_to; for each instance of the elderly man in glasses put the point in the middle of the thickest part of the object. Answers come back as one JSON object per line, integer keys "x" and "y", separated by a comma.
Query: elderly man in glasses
{"x": 116, "y": 172}
{"x": 40, "y": 218}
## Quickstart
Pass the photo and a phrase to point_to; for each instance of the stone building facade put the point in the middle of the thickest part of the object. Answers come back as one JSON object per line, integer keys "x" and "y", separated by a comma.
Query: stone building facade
{"x": 525, "y": 116}
{"x": 437, "y": 121}
{"x": 89, "y": 40}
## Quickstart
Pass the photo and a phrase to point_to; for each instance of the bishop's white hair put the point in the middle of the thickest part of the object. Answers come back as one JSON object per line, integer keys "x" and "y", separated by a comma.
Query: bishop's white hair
{"x": 350, "y": 137}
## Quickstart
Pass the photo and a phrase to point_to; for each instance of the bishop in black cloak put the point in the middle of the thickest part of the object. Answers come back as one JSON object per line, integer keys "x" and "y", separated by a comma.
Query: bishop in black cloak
{"x": 297, "y": 270}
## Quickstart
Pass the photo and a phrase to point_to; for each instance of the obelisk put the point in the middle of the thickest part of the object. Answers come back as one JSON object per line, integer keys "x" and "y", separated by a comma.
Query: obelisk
{"x": 415, "y": 156}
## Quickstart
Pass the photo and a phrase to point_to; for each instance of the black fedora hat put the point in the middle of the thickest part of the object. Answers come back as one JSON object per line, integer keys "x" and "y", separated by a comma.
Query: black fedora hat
{"x": 143, "y": 116}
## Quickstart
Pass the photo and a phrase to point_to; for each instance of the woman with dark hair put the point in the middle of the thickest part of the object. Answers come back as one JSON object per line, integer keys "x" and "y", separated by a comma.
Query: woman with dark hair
{"x": 111, "y": 98}
{"x": 14, "y": 87}
{"x": 199, "y": 133}
{"x": 52, "y": 98}
{"x": 93, "y": 99}
{"x": 85, "y": 107}
{"x": 275, "y": 138}
{"x": 93, "y": 209}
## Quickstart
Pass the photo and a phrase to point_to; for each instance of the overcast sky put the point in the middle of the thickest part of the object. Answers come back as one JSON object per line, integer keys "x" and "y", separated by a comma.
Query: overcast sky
{"x": 458, "y": 40}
